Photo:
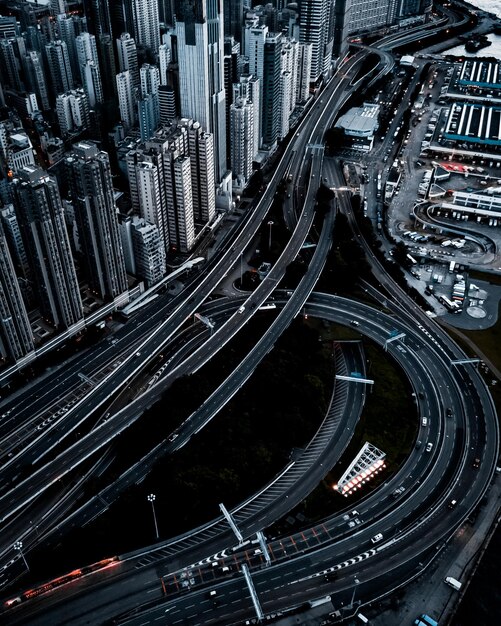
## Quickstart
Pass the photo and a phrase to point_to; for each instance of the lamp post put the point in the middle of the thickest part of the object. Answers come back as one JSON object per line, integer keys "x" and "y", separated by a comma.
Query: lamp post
{"x": 354, "y": 591}
{"x": 19, "y": 547}
{"x": 270, "y": 224}
{"x": 151, "y": 498}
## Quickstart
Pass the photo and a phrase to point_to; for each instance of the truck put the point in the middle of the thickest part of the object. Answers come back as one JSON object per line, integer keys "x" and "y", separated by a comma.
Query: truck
{"x": 453, "y": 582}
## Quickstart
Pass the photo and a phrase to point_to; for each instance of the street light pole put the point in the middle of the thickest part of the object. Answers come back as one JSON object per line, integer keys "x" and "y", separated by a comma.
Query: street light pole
{"x": 19, "y": 547}
{"x": 270, "y": 224}
{"x": 151, "y": 498}
{"x": 354, "y": 591}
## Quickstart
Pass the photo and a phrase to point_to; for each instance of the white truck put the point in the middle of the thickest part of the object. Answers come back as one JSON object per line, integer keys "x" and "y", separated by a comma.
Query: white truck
{"x": 452, "y": 582}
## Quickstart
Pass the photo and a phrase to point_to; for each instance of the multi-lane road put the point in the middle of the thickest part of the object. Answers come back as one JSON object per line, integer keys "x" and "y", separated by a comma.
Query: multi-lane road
{"x": 36, "y": 433}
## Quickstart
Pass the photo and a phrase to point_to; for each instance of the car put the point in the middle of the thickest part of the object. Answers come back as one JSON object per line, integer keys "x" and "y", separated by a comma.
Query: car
{"x": 399, "y": 491}
{"x": 429, "y": 446}
{"x": 476, "y": 463}
{"x": 419, "y": 443}
{"x": 448, "y": 412}
{"x": 424, "y": 421}
{"x": 452, "y": 504}
{"x": 377, "y": 538}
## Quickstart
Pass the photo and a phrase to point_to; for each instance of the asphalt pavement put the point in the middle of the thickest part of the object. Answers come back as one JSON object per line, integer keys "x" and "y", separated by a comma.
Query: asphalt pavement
{"x": 428, "y": 593}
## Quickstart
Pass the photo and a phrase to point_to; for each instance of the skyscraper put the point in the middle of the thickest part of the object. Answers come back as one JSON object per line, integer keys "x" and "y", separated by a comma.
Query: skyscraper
{"x": 233, "y": 18}
{"x": 201, "y": 153}
{"x": 72, "y": 110}
{"x": 148, "y": 114}
{"x": 272, "y": 91}
{"x": 58, "y": 61}
{"x": 200, "y": 40}
{"x": 89, "y": 68}
{"x": 91, "y": 188}
{"x": 149, "y": 251}
{"x": 249, "y": 88}
{"x": 146, "y": 24}
{"x": 127, "y": 57}
{"x": 171, "y": 178}
{"x": 16, "y": 337}
{"x": 317, "y": 27}
{"x": 368, "y": 15}
{"x": 126, "y": 99}
{"x": 242, "y": 140}
{"x": 41, "y": 220}
{"x": 35, "y": 77}
{"x": 97, "y": 13}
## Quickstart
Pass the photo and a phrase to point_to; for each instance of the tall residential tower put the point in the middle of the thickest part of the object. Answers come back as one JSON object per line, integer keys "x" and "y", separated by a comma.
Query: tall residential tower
{"x": 200, "y": 41}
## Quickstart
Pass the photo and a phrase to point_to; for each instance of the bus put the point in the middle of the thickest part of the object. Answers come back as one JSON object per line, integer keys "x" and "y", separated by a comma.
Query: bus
{"x": 429, "y": 621}
{"x": 452, "y": 307}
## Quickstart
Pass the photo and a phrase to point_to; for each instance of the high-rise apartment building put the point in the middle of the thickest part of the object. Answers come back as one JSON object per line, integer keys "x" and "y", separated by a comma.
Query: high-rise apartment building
{"x": 249, "y": 88}
{"x": 72, "y": 110}
{"x": 201, "y": 153}
{"x": 166, "y": 104}
{"x": 233, "y": 18}
{"x": 180, "y": 216}
{"x": 126, "y": 99}
{"x": 149, "y": 251}
{"x": 242, "y": 140}
{"x": 148, "y": 105}
{"x": 303, "y": 73}
{"x": 66, "y": 31}
{"x": 177, "y": 160}
{"x": 164, "y": 59}
{"x": 35, "y": 78}
{"x": 10, "y": 65}
{"x": 200, "y": 46}
{"x": 148, "y": 115}
{"x": 149, "y": 79}
{"x": 272, "y": 89}
{"x": 367, "y": 15}
{"x": 16, "y": 337}
{"x": 43, "y": 228}
{"x": 88, "y": 63}
{"x": 58, "y": 61}
{"x": 146, "y": 24}
{"x": 12, "y": 234}
{"x": 317, "y": 28}
{"x": 98, "y": 16}
{"x": 127, "y": 57}
{"x": 91, "y": 188}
